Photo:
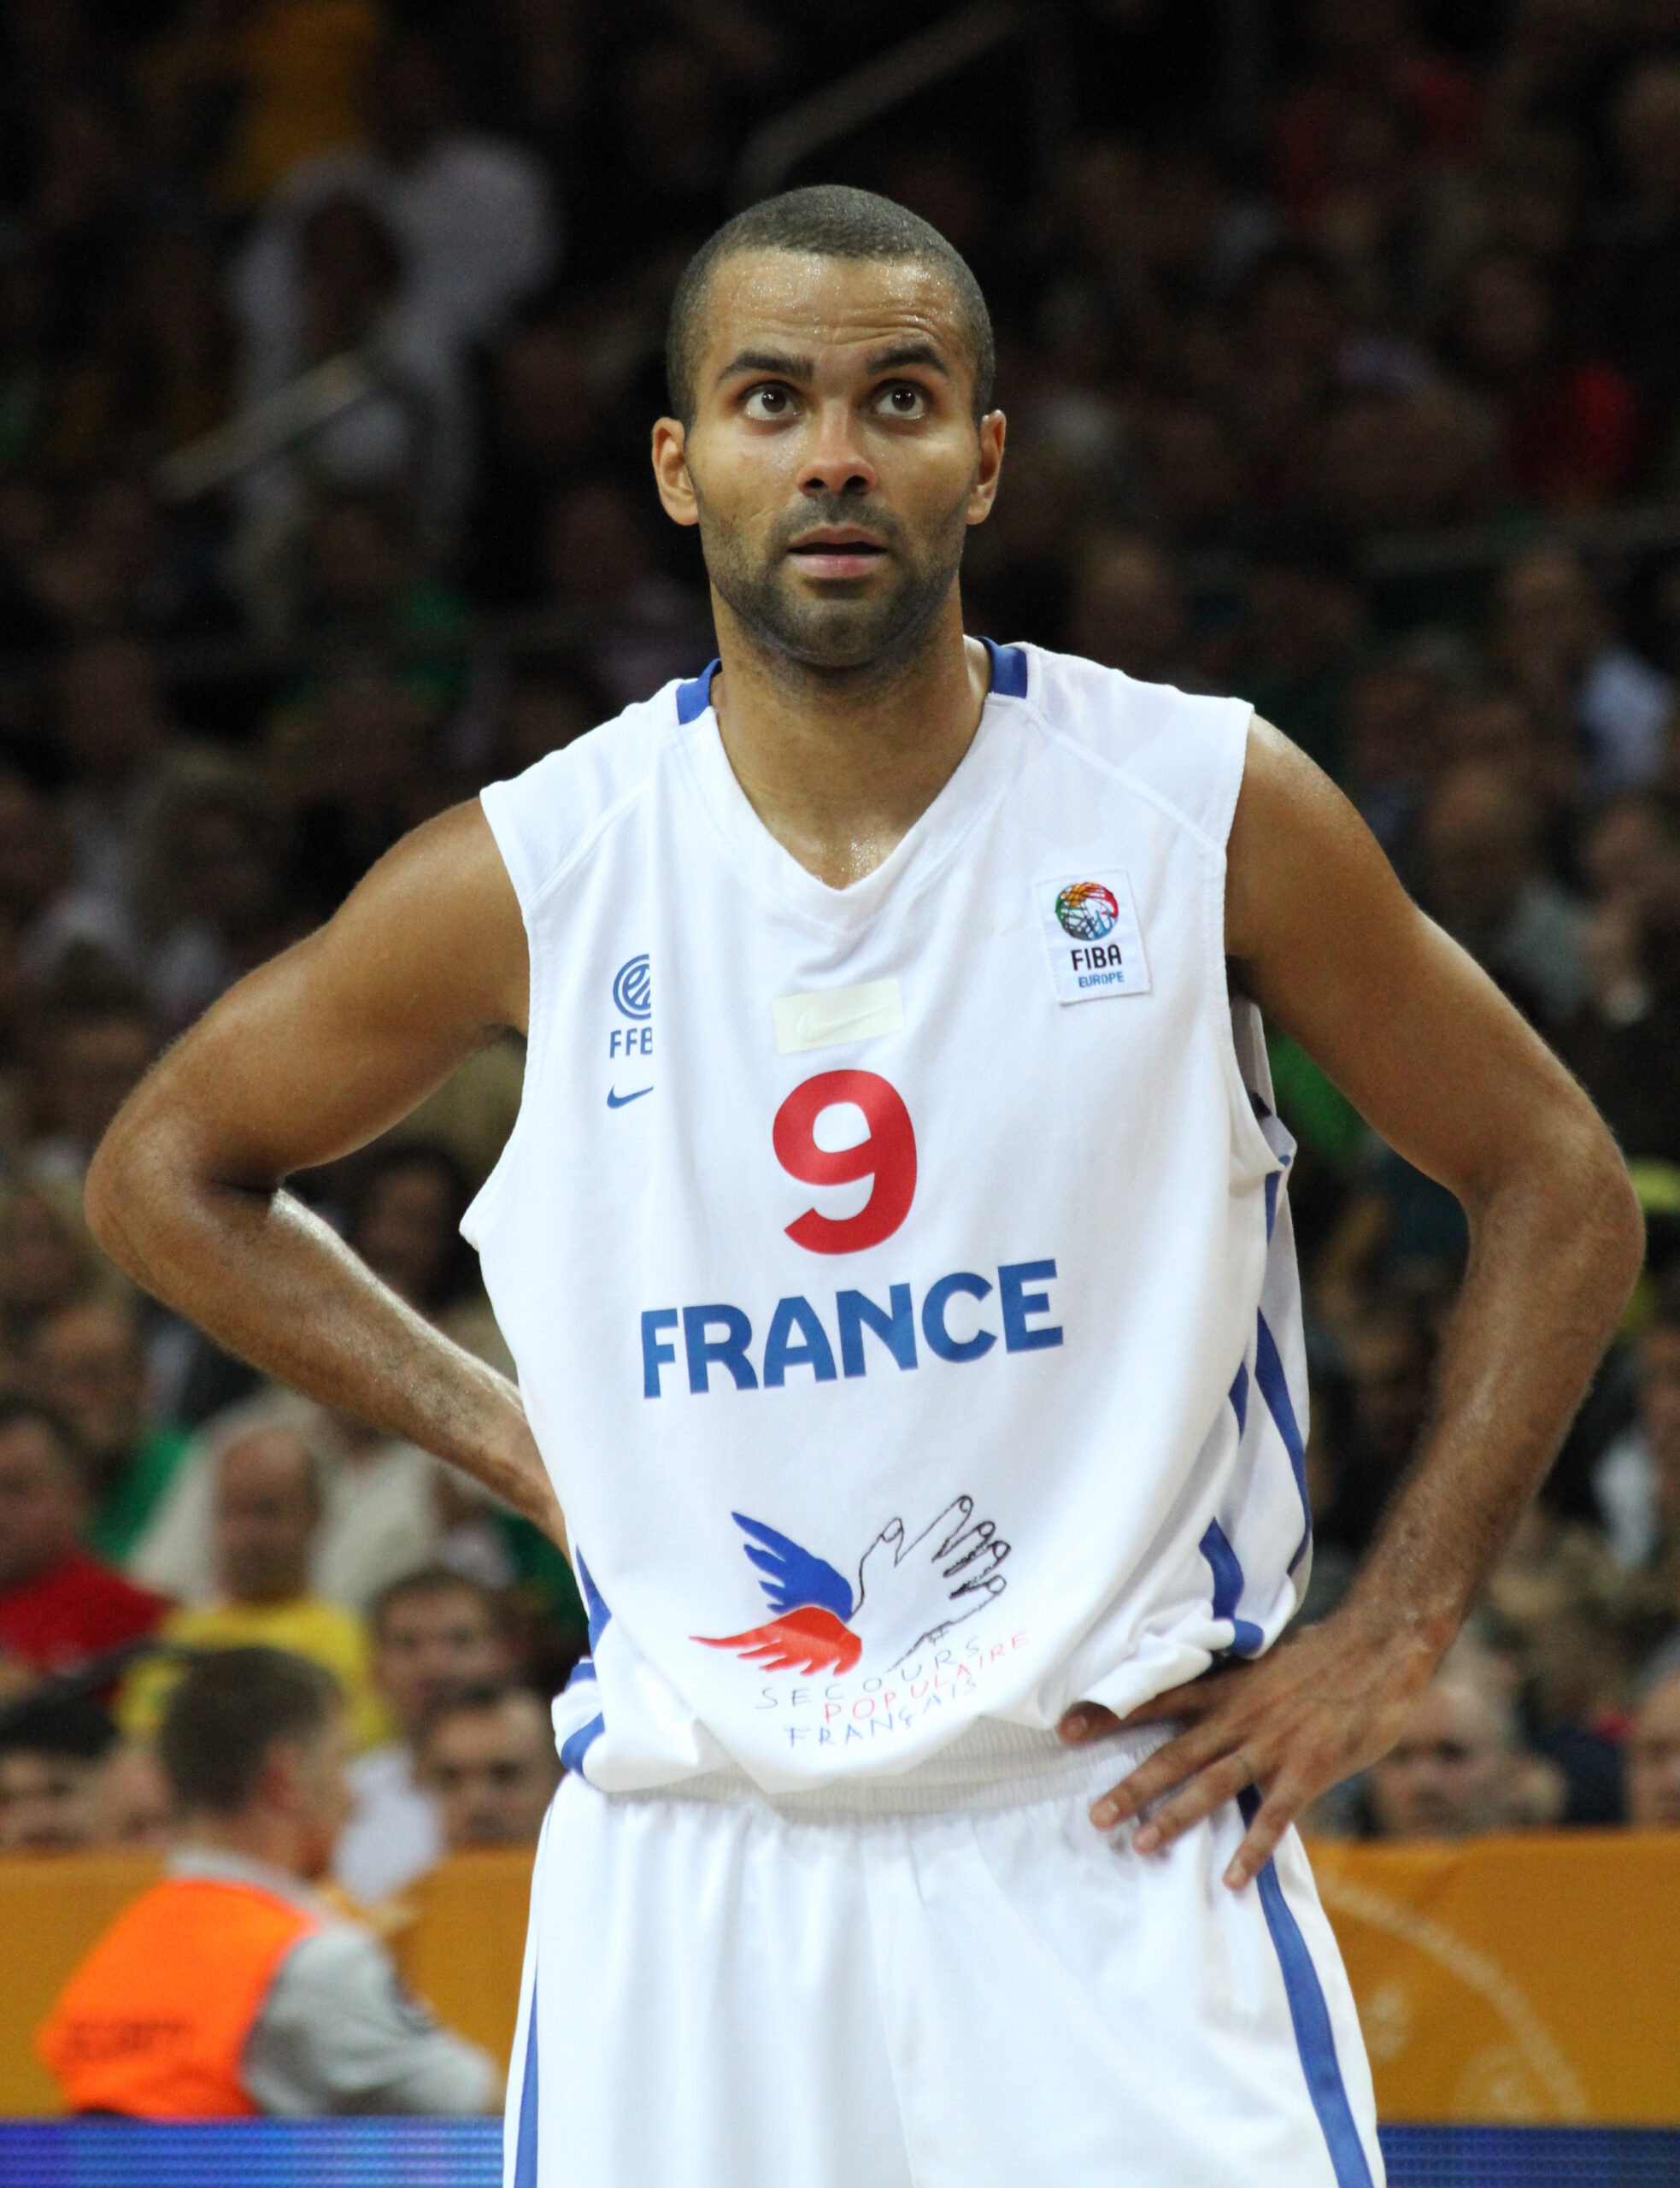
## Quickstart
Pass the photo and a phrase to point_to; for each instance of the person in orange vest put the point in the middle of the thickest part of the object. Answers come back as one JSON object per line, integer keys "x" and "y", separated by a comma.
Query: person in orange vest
{"x": 231, "y": 1988}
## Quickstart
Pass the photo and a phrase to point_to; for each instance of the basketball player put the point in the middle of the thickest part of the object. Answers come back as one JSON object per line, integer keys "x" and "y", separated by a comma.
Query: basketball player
{"x": 894, "y": 1246}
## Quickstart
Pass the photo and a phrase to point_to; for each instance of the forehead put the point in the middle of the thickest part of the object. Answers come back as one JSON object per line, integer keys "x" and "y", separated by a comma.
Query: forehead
{"x": 831, "y": 309}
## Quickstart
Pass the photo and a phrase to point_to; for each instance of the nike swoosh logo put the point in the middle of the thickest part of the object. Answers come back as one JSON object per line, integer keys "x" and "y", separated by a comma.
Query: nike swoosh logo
{"x": 617, "y": 1101}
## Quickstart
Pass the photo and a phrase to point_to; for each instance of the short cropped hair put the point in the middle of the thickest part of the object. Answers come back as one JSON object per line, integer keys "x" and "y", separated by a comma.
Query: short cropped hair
{"x": 474, "y": 1702}
{"x": 47, "y": 1723}
{"x": 828, "y": 220}
{"x": 227, "y": 1714}
{"x": 429, "y": 1583}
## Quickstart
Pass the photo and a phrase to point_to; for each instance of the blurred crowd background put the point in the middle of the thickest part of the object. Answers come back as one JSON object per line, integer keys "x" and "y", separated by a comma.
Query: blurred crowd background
{"x": 1341, "y": 350}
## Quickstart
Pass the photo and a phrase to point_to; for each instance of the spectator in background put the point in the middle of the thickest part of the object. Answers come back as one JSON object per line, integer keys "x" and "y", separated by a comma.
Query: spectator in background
{"x": 1560, "y": 649}
{"x": 488, "y": 1756}
{"x": 230, "y": 1988}
{"x": 90, "y": 1043}
{"x": 437, "y": 1636}
{"x": 1636, "y": 1483}
{"x": 137, "y": 1811}
{"x": 88, "y": 1364}
{"x": 212, "y": 868}
{"x": 47, "y": 1261}
{"x": 1459, "y": 1768}
{"x": 112, "y": 733}
{"x": 1129, "y": 611}
{"x": 1571, "y": 431}
{"x": 58, "y": 1606}
{"x": 1639, "y": 290}
{"x": 1483, "y": 875}
{"x": 1625, "y": 1043}
{"x": 470, "y": 212}
{"x": 268, "y": 1507}
{"x": 53, "y": 1758}
{"x": 1653, "y": 1759}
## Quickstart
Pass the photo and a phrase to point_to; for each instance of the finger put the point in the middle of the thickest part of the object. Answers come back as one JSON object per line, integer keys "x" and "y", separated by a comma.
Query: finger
{"x": 1085, "y": 1719}
{"x": 1168, "y": 1767}
{"x": 1273, "y": 1817}
{"x": 1208, "y": 1790}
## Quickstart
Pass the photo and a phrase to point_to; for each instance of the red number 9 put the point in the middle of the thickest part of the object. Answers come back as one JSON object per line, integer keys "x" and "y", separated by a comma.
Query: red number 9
{"x": 887, "y": 1155}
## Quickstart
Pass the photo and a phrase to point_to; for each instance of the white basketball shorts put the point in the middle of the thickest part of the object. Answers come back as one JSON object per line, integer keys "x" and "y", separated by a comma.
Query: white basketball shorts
{"x": 947, "y": 1979}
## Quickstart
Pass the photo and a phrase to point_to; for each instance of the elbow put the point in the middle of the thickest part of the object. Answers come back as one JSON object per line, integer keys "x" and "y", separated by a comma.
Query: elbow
{"x": 1611, "y": 1217}
{"x": 104, "y": 1192}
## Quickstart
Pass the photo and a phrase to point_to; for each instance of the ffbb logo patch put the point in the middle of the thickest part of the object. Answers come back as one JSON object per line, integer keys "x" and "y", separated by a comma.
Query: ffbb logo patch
{"x": 1090, "y": 930}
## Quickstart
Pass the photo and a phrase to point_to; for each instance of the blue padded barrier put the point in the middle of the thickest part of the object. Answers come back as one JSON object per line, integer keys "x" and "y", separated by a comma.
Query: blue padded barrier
{"x": 467, "y": 2154}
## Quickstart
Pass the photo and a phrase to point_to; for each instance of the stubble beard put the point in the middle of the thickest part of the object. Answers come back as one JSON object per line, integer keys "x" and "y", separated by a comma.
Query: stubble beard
{"x": 872, "y": 636}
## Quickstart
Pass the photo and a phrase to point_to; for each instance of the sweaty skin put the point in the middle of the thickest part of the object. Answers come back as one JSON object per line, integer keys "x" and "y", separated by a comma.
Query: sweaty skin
{"x": 833, "y": 466}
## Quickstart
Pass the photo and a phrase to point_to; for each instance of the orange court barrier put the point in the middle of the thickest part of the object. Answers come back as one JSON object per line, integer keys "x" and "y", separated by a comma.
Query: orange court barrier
{"x": 1531, "y": 1978}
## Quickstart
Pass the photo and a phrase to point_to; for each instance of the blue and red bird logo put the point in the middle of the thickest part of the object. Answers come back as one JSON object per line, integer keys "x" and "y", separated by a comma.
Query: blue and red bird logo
{"x": 910, "y": 1591}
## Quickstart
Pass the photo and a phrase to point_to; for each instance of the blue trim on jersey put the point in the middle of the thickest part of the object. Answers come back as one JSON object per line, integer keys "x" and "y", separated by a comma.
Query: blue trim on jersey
{"x": 1008, "y": 670}
{"x": 1239, "y": 1396}
{"x": 600, "y": 1618}
{"x": 582, "y": 1669}
{"x": 1273, "y": 1178}
{"x": 1247, "y": 1640}
{"x": 1275, "y": 1390}
{"x": 571, "y": 1755}
{"x": 1314, "y": 2037}
{"x": 696, "y": 696}
{"x": 525, "y": 2149}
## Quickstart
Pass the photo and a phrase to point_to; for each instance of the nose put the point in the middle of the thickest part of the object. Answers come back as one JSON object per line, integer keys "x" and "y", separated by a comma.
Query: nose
{"x": 836, "y": 464}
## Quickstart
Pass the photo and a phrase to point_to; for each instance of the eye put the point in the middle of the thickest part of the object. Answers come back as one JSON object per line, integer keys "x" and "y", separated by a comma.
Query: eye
{"x": 903, "y": 399}
{"x": 769, "y": 404}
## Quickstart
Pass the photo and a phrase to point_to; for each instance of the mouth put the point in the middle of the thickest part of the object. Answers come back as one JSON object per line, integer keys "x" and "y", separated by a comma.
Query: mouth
{"x": 837, "y": 552}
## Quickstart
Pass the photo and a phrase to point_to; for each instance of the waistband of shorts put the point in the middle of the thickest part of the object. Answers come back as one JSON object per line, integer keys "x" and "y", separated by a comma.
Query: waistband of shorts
{"x": 992, "y": 1765}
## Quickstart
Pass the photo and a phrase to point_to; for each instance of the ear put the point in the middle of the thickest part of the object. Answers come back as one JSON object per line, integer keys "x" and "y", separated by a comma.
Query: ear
{"x": 984, "y": 492}
{"x": 671, "y": 471}
{"x": 280, "y": 1784}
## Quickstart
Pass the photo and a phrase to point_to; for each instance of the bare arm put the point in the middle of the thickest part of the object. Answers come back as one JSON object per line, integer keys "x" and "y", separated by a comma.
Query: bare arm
{"x": 1420, "y": 1039}
{"x": 310, "y": 1057}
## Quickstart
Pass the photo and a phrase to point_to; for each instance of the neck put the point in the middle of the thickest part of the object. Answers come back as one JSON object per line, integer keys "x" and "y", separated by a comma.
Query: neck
{"x": 256, "y": 1834}
{"x": 840, "y": 764}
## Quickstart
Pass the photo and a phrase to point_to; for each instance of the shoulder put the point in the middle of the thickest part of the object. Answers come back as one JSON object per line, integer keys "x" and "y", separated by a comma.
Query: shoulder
{"x": 541, "y": 819}
{"x": 1187, "y": 748}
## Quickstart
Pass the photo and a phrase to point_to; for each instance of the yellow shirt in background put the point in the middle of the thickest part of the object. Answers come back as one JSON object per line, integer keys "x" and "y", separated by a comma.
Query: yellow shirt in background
{"x": 326, "y": 1634}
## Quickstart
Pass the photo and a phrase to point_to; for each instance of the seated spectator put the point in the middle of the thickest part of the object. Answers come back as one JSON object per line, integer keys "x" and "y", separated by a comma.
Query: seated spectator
{"x": 1459, "y": 1768}
{"x": 90, "y": 1043}
{"x": 231, "y": 1988}
{"x": 489, "y": 1757}
{"x": 379, "y": 1518}
{"x": 89, "y": 1364}
{"x": 1654, "y": 1760}
{"x": 1636, "y": 1483}
{"x": 137, "y": 1810}
{"x": 1562, "y": 652}
{"x": 1129, "y": 611}
{"x": 268, "y": 1509}
{"x": 1570, "y": 427}
{"x": 1484, "y": 877}
{"x": 435, "y": 1636}
{"x": 58, "y": 1606}
{"x": 52, "y": 1762}
{"x": 47, "y": 1260}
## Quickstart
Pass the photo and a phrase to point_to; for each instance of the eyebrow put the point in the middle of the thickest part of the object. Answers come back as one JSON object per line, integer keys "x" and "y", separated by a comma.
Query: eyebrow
{"x": 768, "y": 360}
{"x": 785, "y": 366}
{"x": 907, "y": 353}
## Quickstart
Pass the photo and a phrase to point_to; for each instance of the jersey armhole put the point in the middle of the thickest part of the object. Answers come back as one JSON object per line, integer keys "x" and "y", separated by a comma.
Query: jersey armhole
{"x": 1246, "y": 1134}
{"x": 482, "y": 1208}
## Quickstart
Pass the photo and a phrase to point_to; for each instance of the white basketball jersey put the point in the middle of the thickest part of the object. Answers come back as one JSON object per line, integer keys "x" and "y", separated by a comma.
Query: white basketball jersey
{"x": 899, "y": 1276}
